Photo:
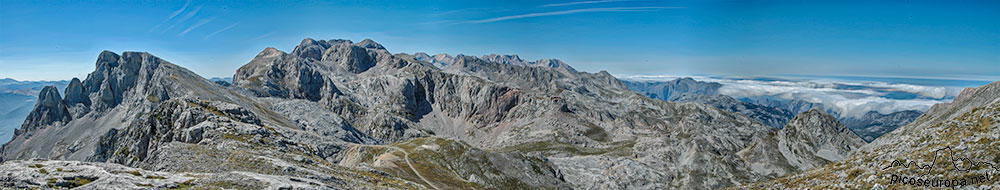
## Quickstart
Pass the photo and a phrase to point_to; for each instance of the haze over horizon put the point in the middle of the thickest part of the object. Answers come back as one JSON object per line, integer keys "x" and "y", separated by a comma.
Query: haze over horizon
{"x": 915, "y": 39}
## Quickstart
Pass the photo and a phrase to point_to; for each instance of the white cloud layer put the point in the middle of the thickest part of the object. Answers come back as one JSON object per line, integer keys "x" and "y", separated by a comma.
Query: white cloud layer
{"x": 850, "y": 99}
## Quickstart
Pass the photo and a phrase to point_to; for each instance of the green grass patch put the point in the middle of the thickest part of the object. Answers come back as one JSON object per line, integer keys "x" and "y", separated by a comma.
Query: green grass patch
{"x": 550, "y": 148}
{"x": 184, "y": 185}
{"x": 155, "y": 177}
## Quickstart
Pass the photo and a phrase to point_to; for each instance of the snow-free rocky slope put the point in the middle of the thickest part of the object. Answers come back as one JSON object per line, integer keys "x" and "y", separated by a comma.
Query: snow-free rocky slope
{"x": 344, "y": 115}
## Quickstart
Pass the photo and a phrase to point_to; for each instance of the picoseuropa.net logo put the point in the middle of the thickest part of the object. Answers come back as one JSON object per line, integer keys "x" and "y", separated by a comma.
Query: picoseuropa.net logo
{"x": 969, "y": 172}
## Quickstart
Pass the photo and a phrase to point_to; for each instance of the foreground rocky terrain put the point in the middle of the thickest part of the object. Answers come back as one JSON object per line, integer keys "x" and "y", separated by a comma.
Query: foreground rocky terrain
{"x": 344, "y": 115}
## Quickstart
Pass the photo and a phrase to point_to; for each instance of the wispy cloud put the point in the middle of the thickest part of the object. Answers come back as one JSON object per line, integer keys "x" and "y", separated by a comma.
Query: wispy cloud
{"x": 566, "y": 12}
{"x": 185, "y": 18}
{"x": 582, "y": 2}
{"x": 172, "y": 15}
{"x": 221, "y": 30}
{"x": 179, "y": 11}
{"x": 196, "y": 25}
{"x": 263, "y": 36}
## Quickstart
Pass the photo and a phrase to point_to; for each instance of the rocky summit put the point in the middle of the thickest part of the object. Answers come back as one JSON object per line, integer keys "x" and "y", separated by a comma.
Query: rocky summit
{"x": 335, "y": 114}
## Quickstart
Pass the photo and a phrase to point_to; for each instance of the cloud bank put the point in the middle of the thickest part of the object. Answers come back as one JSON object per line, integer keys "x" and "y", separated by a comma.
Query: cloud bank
{"x": 849, "y": 98}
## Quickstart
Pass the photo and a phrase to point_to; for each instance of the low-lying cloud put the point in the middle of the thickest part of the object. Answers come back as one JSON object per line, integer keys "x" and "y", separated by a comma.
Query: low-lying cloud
{"x": 849, "y": 98}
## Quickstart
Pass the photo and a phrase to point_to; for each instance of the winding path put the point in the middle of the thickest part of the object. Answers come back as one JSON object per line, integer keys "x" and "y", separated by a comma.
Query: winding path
{"x": 406, "y": 156}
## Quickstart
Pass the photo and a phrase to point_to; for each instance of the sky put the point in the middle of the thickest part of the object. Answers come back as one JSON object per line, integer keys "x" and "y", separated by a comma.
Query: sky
{"x": 52, "y": 40}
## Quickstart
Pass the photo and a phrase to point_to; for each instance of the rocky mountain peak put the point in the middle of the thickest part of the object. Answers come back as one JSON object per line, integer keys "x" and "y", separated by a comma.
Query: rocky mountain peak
{"x": 116, "y": 74}
{"x": 50, "y": 109}
{"x": 506, "y": 59}
{"x": 370, "y": 44}
{"x": 874, "y": 124}
{"x": 438, "y": 60}
{"x": 674, "y": 89}
{"x": 554, "y": 63}
{"x": 74, "y": 93}
{"x": 815, "y": 133}
{"x": 107, "y": 57}
{"x": 270, "y": 52}
{"x": 443, "y": 56}
{"x": 420, "y": 56}
{"x": 310, "y": 48}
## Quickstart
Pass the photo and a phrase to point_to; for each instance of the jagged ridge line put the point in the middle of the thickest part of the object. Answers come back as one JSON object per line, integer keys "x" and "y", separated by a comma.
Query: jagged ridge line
{"x": 928, "y": 168}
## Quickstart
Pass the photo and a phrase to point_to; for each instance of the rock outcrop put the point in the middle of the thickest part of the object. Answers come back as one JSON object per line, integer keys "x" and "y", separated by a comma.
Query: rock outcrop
{"x": 812, "y": 139}
{"x": 58, "y": 174}
{"x": 774, "y": 117}
{"x": 873, "y": 124}
{"x": 50, "y": 110}
{"x": 674, "y": 89}
{"x": 17, "y": 99}
{"x": 444, "y": 60}
{"x": 75, "y": 95}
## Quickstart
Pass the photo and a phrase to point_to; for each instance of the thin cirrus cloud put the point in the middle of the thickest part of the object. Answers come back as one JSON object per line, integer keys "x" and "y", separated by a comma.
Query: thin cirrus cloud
{"x": 221, "y": 30}
{"x": 582, "y": 3}
{"x": 172, "y": 15}
{"x": 566, "y": 12}
{"x": 185, "y": 18}
{"x": 263, "y": 36}
{"x": 196, "y": 25}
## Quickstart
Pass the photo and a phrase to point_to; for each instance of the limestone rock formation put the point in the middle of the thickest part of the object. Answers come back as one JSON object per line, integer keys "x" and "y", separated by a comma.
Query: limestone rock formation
{"x": 50, "y": 110}
{"x": 873, "y": 124}
{"x": 75, "y": 95}
{"x": 774, "y": 117}
{"x": 674, "y": 89}
{"x": 58, "y": 174}
{"x": 812, "y": 139}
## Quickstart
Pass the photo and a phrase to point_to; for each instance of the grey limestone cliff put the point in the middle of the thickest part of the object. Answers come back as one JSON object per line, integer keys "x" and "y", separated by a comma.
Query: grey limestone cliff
{"x": 873, "y": 124}
{"x": 50, "y": 110}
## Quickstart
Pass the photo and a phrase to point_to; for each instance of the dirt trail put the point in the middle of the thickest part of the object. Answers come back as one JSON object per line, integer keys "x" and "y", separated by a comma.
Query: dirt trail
{"x": 406, "y": 156}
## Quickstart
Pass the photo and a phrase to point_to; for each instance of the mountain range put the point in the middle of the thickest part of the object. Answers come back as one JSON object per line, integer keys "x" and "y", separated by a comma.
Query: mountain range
{"x": 772, "y": 111}
{"x": 338, "y": 114}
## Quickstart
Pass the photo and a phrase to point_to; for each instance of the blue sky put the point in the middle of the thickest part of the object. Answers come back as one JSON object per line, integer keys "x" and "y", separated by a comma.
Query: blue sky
{"x": 921, "y": 39}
